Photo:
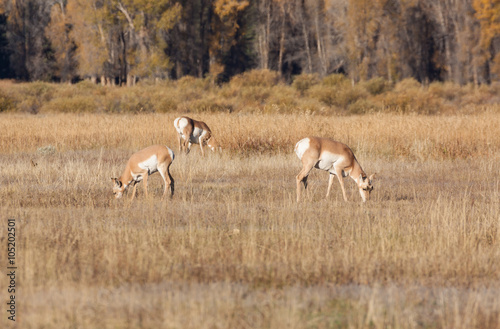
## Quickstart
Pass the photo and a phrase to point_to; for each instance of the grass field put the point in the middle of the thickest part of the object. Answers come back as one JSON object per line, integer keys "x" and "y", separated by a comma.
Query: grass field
{"x": 233, "y": 249}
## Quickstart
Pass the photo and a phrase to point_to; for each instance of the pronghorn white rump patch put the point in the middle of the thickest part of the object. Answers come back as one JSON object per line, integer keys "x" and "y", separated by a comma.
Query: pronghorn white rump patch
{"x": 301, "y": 147}
{"x": 180, "y": 124}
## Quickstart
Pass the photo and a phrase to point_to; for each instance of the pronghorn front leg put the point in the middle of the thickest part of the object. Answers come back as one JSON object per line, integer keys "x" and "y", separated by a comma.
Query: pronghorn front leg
{"x": 201, "y": 140}
{"x": 133, "y": 191}
{"x": 145, "y": 182}
{"x": 338, "y": 173}
{"x": 187, "y": 145}
{"x": 330, "y": 183}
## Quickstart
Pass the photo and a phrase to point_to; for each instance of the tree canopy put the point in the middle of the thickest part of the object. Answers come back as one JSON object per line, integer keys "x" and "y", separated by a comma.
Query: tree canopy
{"x": 121, "y": 41}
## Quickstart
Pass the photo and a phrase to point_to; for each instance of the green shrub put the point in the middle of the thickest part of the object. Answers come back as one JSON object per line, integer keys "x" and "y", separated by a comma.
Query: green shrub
{"x": 362, "y": 106}
{"x": 205, "y": 105}
{"x": 86, "y": 86}
{"x": 446, "y": 90}
{"x": 305, "y": 81}
{"x": 228, "y": 90}
{"x": 30, "y": 104}
{"x": 43, "y": 91}
{"x": 164, "y": 103}
{"x": 134, "y": 103}
{"x": 285, "y": 97}
{"x": 346, "y": 96}
{"x": 255, "y": 94}
{"x": 411, "y": 101}
{"x": 76, "y": 104}
{"x": 337, "y": 79}
{"x": 7, "y": 103}
{"x": 376, "y": 86}
{"x": 256, "y": 78}
{"x": 307, "y": 105}
{"x": 323, "y": 93}
{"x": 190, "y": 82}
{"x": 340, "y": 96}
{"x": 407, "y": 84}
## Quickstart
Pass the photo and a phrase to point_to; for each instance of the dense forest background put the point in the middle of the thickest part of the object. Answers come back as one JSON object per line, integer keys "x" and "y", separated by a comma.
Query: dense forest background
{"x": 123, "y": 41}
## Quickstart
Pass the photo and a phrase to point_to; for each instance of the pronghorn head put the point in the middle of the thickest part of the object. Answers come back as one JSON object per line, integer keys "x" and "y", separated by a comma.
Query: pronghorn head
{"x": 365, "y": 186}
{"x": 213, "y": 144}
{"x": 118, "y": 188}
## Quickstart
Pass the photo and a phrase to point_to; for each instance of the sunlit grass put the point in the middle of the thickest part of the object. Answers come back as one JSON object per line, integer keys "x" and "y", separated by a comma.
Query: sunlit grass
{"x": 232, "y": 248}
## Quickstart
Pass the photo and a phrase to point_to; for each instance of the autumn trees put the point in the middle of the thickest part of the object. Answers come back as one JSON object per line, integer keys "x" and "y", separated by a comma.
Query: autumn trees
{"x": 121, "y": 41}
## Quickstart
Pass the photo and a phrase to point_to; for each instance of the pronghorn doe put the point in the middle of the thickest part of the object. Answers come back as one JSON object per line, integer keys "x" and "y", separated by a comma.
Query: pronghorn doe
{"x": 142, "y": 164}
{"x": 334, "y": 157}
{"x": 194, "y": 132}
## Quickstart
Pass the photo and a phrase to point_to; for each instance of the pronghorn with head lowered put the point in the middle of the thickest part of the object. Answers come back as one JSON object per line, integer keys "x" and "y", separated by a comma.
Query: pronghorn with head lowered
{"x": 142, "y": 164}
{"x": 194, "y": 132}
{"x": 334, "y": 157}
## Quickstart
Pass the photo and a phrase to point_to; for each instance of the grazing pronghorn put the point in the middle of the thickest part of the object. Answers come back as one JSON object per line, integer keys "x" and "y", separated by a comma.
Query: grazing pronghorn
{"x": 334, "y": 157}
{"x": 142, "y": 164}
{"x": 194, "y": 132}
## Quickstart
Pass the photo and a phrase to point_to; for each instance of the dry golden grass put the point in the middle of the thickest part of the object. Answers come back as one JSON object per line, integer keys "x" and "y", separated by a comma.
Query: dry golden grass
{"x": 232, "y": 249}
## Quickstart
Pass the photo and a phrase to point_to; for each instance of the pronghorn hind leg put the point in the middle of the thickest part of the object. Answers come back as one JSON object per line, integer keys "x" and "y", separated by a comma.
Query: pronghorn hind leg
{"x": 201, "y": 140}
{"x": 161, "y": 170}
{"x": 187, "y": 135}
{"x": 180, "y": 143}
{"x": 302, "y": 177}
{"x": 168, "y": 181}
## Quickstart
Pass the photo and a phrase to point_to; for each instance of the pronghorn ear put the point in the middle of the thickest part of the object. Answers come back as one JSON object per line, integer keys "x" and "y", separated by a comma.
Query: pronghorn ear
{"x": 372, "y": 176}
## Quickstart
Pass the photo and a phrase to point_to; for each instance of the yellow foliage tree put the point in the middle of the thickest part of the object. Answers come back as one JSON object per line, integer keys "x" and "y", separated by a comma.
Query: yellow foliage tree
{"x": 225, "y": 29}
{"x": 488, "y": 14}
{"x": 58, "y": 32}
{"x": 89, "y": 33}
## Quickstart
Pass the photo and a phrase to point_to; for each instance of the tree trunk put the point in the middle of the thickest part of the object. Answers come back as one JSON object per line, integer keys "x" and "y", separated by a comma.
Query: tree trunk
{"x": 321, "y": 54}
{"x": 308, "y": 50}
{"x": 282, "y": 40}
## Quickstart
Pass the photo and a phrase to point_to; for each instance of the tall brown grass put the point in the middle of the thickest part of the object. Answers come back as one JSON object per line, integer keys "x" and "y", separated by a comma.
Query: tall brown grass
{"x": 413, "y": 137}
{"x": 232, "y": 249}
